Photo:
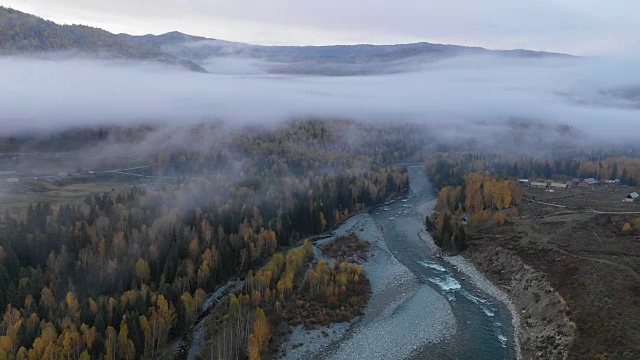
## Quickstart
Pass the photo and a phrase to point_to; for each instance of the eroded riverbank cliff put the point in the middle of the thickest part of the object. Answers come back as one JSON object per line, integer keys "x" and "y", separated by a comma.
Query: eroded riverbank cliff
{"x": 546, "y": 332}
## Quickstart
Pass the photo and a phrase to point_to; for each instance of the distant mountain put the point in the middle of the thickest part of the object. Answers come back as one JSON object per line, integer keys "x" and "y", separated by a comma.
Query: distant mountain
{"x": 322, "y": 60}
{"x": 22, "y": 33}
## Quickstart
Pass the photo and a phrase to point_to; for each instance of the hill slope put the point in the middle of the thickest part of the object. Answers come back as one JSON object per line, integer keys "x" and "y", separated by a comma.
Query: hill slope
{"x": 21, "y": 33}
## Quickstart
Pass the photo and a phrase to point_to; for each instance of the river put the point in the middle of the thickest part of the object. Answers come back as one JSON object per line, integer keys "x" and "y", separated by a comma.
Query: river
{"x": 422, "y": 306}
{"x": 483, "y": 324}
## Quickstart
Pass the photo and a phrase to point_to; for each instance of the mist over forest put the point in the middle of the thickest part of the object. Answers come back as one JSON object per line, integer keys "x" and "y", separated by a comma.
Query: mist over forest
{"x": 465, "y": 97}
{"x": 178, "y": 196}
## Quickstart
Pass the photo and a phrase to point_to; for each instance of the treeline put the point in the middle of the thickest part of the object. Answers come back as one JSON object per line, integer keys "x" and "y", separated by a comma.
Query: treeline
{"x": 118, "y": 275}
{"x": 291, "y": 289}
{"x": 302, "y": 147}
{"x": 478, "y": 188}
{"x": 449, "y": 169}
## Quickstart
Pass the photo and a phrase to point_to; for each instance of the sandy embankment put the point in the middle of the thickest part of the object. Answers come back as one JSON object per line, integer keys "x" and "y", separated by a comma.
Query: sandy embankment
{"x": 401, "y": 315}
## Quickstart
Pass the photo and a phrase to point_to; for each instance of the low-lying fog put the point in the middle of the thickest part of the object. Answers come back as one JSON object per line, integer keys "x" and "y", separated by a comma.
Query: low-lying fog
{"x": 598, "y": 97}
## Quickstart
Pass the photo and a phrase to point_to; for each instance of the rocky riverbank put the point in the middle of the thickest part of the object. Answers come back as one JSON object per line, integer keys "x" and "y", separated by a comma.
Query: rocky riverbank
{"x": 397, "y": 308}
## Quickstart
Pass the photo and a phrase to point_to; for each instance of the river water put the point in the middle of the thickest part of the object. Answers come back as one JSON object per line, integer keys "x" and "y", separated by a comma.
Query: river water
{"x": 483, "y": 324}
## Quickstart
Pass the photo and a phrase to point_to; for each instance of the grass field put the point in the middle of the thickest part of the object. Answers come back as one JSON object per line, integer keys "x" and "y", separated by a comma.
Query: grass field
{"x": 43, "y": 177}
{"x": 17, "y": 197}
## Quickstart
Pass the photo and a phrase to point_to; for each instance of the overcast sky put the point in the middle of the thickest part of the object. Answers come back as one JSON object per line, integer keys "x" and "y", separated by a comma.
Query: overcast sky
{"x": 583, "y": 27}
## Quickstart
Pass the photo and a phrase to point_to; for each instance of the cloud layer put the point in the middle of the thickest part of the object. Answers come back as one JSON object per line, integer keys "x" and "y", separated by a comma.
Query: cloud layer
{"x": 463, "y": 95}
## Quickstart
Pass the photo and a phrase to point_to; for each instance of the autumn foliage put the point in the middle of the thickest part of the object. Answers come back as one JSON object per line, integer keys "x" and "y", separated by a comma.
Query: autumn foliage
{"x": 119, "y": 274}
{"x": 293, "y": 288}
{"x": 481, "y": 199}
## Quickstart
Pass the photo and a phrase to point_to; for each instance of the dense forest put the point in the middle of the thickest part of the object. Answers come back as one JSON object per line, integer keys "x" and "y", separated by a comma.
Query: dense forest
{"x": 121, "y": 273}
{"x": 293, "y": 288}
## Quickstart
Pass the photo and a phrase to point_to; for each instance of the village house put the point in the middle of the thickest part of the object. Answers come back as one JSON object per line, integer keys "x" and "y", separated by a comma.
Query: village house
{"x": 588, "y": 182}
{"x": 538, "y": 184}
{"x": 632, "y": 197}
{"x": 558, "y": 185}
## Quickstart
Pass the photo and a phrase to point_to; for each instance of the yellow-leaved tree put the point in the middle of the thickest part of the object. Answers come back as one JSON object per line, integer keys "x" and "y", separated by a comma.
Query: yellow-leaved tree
{"x": 142, "y": 270}
{"x": 259, "y": 339}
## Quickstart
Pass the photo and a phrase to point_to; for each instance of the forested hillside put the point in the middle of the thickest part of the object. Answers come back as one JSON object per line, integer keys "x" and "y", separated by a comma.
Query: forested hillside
{"x": 118, "y": 275}
{"x": 22, "y": 33}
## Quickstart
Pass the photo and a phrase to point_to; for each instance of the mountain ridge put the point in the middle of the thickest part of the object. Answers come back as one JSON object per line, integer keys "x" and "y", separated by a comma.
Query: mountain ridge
{"x": 192, "y": 38}
{"x": 26, "y": 34}
{"x": 332, "y": 60}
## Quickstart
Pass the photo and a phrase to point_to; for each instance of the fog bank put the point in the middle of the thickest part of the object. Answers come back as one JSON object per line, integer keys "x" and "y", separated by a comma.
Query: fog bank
{"x": 462, "y": 96}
